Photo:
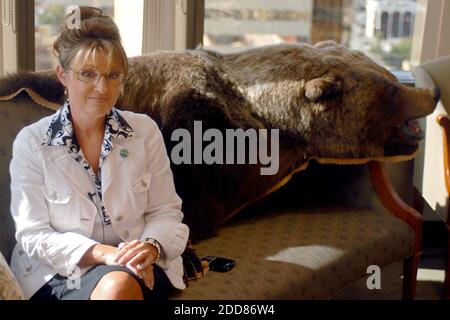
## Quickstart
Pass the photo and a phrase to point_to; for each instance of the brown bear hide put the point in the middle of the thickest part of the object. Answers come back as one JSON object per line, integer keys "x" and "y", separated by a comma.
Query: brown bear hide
{"x": 328, "y": 102}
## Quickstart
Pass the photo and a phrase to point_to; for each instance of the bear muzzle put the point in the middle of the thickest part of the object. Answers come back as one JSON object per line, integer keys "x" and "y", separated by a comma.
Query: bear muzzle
{"x": 415, "y": 103}
{"x": 412, "y": 129}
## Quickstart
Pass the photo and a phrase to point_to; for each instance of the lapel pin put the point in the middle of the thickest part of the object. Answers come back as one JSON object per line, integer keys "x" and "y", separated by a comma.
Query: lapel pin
{"x": 124, "y": 153}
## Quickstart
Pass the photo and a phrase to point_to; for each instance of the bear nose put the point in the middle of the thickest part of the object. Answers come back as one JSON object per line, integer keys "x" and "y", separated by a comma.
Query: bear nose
{"x": 437, "y": 94}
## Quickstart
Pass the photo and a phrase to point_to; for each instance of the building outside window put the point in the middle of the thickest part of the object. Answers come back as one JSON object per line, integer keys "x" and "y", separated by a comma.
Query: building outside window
{"x": 382, "y": 29}
{"x": 253, "y": 23}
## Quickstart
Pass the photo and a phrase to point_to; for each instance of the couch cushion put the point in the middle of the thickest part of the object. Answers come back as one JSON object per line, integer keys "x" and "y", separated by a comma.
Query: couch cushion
{"x": 14, "y": 115}
{"x": 300, "y": 253}
{"x": 9, "y": 288}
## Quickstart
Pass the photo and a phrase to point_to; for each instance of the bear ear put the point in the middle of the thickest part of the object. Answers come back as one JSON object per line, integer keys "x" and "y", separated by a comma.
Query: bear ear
{"x": 322, "y": 88}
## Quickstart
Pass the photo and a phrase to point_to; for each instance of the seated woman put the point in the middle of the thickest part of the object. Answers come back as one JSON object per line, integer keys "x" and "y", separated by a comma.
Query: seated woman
{"x": 96, "y": 211}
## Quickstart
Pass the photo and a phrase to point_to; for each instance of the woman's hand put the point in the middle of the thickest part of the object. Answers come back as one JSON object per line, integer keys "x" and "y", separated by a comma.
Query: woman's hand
{"x": 138, "y": 257}
{"x": 147, "y": 276}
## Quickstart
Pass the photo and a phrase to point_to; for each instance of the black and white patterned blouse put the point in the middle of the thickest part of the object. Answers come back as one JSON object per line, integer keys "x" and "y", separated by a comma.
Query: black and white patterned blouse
{"x": 60, "y": 133}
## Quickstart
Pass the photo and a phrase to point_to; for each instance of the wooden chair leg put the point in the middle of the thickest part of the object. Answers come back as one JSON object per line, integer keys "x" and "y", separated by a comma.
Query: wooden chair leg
{"x": 410, "y": 267}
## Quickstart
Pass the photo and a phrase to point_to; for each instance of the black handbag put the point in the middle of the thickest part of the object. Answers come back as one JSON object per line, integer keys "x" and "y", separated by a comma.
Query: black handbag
{"x": 194, "y": 268}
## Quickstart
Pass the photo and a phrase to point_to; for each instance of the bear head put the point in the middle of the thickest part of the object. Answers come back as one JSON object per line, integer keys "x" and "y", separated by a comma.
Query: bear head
{"x": 337, "y": 100}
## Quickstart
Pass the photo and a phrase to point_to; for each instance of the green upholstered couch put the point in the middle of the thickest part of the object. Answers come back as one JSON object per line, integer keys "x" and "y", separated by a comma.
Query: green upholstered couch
{"x": 308, "y": 240}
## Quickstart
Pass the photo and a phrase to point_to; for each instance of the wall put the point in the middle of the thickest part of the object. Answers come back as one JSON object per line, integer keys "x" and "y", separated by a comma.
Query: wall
{"x": 129, "y": 18}
{"x": 180, "y": 24}
{"x": 159, "y": 25}
{"x": 433, "y": 21}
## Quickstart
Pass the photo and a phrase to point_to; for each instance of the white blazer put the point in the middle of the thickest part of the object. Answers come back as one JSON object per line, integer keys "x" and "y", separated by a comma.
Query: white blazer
{"x": 55, "y": 218}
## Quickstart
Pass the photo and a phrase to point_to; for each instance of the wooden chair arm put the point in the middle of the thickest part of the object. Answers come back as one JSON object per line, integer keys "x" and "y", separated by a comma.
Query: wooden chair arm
{"x": 393, "y": 203}
{"x": 444, "y": 122}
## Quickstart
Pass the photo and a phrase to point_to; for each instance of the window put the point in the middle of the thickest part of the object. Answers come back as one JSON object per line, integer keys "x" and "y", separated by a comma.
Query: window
{"x": 407, "y": 24}
{"x": 49, "y": 15}
{"x": 384, "y": 25}
{"x": 383, "y": 29}
{"x": 395, "y": 24}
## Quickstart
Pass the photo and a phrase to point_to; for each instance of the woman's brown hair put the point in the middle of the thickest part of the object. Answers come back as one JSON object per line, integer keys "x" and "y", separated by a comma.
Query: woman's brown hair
{"x": 96, "y": 32}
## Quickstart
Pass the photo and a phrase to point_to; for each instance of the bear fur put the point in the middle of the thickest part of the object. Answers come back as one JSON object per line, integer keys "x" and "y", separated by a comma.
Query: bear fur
{"x": 326, "y": 100}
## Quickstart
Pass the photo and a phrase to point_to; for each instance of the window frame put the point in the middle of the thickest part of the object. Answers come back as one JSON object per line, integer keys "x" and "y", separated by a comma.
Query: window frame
{"x": 19, "y": 34}
{"x": 1, "y": 40}
{"x": 25, "y": 35}
{"x": 195, "y": 23}
{"x": 9, "y": 35}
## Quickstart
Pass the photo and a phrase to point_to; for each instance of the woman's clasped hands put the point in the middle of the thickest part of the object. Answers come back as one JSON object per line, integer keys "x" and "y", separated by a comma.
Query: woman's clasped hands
{"x": 139, "y": 257}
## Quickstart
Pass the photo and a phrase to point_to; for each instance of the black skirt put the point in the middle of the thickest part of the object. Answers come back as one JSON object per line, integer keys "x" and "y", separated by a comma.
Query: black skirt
{"x": 58, "y": 289}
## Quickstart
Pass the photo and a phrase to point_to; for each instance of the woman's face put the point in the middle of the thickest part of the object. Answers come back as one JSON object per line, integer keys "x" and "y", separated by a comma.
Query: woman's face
{"x": 93, "y": 100}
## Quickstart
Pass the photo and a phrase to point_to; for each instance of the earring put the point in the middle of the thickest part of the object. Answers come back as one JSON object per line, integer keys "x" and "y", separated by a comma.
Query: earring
{"x": 66, "y": 94}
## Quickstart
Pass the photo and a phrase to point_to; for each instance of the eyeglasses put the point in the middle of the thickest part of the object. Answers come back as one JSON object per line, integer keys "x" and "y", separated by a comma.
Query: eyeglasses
{"x": 92, "y": 76}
